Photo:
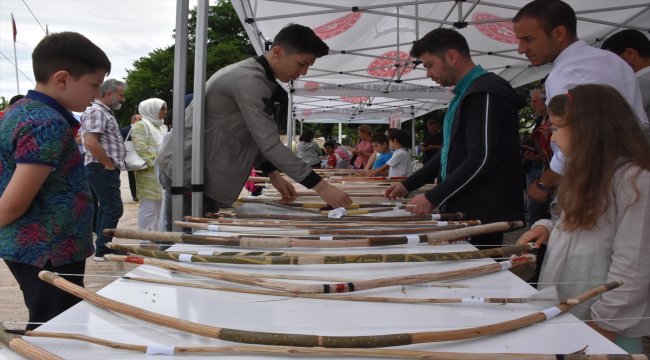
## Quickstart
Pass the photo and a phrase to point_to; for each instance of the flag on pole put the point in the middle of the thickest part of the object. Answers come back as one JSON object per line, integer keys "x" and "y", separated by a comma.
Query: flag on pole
{"x": 13, "y": 25}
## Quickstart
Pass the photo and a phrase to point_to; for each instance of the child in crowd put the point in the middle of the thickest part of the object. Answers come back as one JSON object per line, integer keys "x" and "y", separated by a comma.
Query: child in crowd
{"x": 46, "y": 208}
{"x": 603, "y": 231}
{"x": 399, "y": 164}
{"x": 337, "y": 158}
{"x": 382, "y": 155}
{"x": 308, "y": 150}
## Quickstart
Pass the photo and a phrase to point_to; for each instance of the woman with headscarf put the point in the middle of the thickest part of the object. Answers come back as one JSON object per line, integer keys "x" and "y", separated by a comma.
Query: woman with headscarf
{"x": 147, "y": 135}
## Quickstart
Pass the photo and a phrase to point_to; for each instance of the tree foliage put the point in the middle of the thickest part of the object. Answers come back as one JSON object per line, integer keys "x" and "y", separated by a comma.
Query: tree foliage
{"x": 153, "y": 75}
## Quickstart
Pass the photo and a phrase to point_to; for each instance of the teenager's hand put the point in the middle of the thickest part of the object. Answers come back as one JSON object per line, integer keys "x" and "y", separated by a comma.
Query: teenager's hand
{"x": 396, "y": 191}
{"x": 284, "y": 187}
{"x": 538, "y": 234}
{"x": 332, "y": 195}
{"x": 420, "y": 205}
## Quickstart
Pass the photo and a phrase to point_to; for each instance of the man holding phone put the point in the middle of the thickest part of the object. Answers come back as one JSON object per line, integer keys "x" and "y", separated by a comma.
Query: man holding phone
{"x": 536, "y": 154}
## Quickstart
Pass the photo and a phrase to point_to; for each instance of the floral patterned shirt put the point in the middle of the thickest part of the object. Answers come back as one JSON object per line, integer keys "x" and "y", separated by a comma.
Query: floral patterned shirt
{"x": 57, "y": 225}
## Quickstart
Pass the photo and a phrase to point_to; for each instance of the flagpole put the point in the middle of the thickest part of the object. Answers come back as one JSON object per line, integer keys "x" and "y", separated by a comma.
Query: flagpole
{"x": 13, "y": 24}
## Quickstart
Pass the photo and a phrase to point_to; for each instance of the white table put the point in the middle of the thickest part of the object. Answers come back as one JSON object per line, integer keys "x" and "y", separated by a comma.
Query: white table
{"x": 561, "y": 335}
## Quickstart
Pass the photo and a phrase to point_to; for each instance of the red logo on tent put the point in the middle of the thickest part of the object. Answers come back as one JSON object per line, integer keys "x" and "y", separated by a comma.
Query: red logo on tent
{"x": 384, "y": 66}
{"x": 500, "y": 31}
{"x": 337, "y": 26}
{"x": 354, "y": 99}
{"x": 306, "y": 112}
{"x": 312, "y": 86}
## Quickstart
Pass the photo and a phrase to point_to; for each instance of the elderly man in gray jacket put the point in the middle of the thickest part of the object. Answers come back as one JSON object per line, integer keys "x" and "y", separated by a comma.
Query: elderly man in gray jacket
{"x": 239, "y": 129}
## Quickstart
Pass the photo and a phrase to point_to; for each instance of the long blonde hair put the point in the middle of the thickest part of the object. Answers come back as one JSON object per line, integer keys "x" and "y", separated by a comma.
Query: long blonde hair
{"x": 603, "y": 132}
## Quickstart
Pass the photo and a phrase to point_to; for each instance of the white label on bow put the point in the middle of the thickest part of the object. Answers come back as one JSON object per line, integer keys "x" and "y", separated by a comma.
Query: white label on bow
{"x": 413, "y": 239}
{"x": 337, "y": 213}
{"x": 160, "y": 350}
{"x": 185, "y": 257}
{"x": 473, "y": 299}
{"x": 551, "y": 312}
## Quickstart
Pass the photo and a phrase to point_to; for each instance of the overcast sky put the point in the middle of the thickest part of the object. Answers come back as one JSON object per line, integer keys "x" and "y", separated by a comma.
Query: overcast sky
{"x": 125, "y": 29}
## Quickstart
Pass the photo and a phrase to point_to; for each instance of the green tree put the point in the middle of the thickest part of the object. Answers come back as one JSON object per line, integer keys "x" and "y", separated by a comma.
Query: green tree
{"x": 153, "y": 75}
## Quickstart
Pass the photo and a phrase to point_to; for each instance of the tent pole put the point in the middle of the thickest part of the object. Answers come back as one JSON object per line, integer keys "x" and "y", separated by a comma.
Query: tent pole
{"x": 341, "y": 133}
{"x": 180, "y": 76}
{"x": 200, "y": 60}
{"x": 413, "y": 152}
{"x": 290, "y": 118}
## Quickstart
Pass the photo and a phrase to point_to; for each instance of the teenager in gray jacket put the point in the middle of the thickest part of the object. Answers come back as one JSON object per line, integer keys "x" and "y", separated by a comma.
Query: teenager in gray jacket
{"x": 239, "y": 129}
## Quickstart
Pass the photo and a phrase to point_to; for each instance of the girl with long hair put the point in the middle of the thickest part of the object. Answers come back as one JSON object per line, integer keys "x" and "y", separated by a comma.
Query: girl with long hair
{"x": 603, "y": 233}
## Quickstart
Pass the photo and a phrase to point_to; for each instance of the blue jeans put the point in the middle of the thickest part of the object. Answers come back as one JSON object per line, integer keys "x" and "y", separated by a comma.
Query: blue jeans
{"x": 534, "y": 210}
{"x": 106, "y": 185}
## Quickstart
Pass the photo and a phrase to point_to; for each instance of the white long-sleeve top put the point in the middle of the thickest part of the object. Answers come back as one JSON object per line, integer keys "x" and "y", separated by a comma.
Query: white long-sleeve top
{"x": 618, "y": 248}
{"x": 580, "y": 64}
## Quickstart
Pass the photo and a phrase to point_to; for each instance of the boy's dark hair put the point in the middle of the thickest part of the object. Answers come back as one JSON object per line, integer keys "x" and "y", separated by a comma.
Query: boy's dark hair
{"x": 298, "y": 39}
{"x": 330, "y": 143}
{"x": 625, "y": 39}
{"x": 67, "y": 51}
{"x": 379, "y": 138}
{"x": 306, "y": 136}
{"x": 15, "y": 98}
{"x": 439, "y": 41}
{"x": 399, "y": 135}
{"x": 551, "y": 14}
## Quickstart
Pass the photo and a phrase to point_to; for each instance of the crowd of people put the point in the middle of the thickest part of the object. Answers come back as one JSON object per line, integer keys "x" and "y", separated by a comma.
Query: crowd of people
{"x": 587, "y": 160}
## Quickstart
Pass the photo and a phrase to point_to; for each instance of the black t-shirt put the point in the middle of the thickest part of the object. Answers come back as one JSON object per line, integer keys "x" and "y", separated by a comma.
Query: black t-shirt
{"x": 431, "y": 139}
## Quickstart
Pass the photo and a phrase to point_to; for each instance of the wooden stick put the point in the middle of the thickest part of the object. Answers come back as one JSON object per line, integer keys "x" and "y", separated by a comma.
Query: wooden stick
{"x": 307, "y": 224}
{"x": 288, "y": 258}
{"x": 297, "y": 351}
{"x": 337, "y": 297}
{"x": 434, "y": 238}
{"x": 306, "y": 340}
{"x": 341, "y": 219}
{"x": 272, "y": 242}
{"x": 24, "y": 348}
{"x": 352, "y": 286}
{"x": 440, "y": 226}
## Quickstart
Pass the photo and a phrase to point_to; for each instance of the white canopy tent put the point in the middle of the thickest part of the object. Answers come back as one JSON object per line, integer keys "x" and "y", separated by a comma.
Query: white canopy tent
{"x": 368, "y": 76}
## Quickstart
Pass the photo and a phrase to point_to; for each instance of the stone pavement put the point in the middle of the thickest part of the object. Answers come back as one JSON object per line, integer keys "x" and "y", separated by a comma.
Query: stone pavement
{"x": 13, "y": 312}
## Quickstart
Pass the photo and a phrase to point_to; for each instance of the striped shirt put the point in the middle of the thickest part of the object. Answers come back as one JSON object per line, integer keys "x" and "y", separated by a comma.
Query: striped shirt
{"x": 99, "y": 119}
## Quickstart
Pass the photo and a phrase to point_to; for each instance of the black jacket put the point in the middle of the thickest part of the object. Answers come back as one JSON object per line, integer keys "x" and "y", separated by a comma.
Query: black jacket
{"x": 484, "y": 176}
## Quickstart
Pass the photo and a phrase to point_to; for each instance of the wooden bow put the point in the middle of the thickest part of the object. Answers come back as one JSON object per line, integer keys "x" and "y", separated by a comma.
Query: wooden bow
{"x": 306, "y": 340}
{"x": 336, "y": 297}
{"x": 288, "y": 258}
{"x": 297, "y": 351}
{"x": 358, "y": 285}
{"x": 30, "y": 351}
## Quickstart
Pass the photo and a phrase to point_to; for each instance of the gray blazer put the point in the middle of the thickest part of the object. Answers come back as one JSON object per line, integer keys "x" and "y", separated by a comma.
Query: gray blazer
{"x": 239, "y": 133}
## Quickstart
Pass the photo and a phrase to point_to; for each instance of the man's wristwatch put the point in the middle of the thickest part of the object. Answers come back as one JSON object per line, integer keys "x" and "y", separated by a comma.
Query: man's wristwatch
{"x": 540, "y": 185}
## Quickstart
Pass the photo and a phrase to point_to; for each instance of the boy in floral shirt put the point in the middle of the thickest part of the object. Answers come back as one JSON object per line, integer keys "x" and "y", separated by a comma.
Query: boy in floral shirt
{"x": 45, "y": 204}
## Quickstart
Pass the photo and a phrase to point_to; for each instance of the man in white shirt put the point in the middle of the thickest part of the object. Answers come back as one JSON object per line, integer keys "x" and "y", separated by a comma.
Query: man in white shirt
{"x": 634, "y": 48}
{"x": 546, "y": 30}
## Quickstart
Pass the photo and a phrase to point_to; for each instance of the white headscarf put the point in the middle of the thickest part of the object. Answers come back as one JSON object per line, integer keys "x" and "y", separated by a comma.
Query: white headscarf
{"x": 150, "y": 110}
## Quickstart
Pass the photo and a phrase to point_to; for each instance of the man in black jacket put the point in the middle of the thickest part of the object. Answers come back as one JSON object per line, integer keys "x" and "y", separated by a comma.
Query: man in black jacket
{"x": 478, "y": 166}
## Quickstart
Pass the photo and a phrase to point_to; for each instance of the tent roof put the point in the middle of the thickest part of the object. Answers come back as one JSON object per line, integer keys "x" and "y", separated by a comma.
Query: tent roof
{"x": 369, "y": 77}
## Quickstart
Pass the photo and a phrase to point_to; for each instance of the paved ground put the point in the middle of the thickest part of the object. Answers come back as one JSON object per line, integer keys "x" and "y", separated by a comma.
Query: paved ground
{"x": 13, "y": 312}
{"x": 12, "y": 309}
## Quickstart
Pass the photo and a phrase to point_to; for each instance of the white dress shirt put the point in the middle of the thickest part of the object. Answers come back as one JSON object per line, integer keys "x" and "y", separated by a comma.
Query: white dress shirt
{"x": 581, "y": 64}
